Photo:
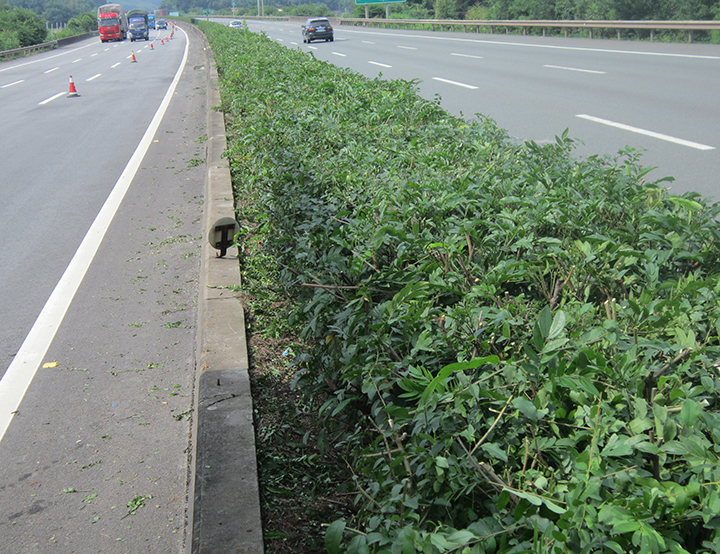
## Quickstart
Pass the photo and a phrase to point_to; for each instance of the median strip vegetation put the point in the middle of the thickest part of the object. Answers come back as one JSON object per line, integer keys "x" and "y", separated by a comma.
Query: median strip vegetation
{"x": 509, "y": 349}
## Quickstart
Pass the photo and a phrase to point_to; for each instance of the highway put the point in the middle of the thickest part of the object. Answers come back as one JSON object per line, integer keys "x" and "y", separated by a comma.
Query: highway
{"x": 658, "y": 98}
{"x": 101, "y": 214}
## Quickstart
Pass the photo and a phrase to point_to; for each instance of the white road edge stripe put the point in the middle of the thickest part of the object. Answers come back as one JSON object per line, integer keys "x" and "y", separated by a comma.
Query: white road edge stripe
{"x": 24, "y": 366}
{"x": 576, "y": 69}
{"x": 454, "y": 83}
{"x": 647, "y": 133}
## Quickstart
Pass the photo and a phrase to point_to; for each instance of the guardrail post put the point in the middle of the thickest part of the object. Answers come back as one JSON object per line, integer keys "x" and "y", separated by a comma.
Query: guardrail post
{"x": 491, "y": 30}
{"x": 590, "y": 32}
{"x": 652, "y": 35}
{"x": 565, "y": 32}
{"x": 544, "y": 30}
{"x": 690, "y": 36}
{"x": 619, "y": 34}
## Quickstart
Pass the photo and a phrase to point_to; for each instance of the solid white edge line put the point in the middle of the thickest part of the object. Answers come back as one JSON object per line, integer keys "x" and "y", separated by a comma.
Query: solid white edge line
{"x": 46, "y": 58}
{"x": 24, "y": 366}
{"x": 645, "y": 132}
{"x": 58, "y": 95}
{"x": 576, "y": 69}
{"x": 464, "y": 85}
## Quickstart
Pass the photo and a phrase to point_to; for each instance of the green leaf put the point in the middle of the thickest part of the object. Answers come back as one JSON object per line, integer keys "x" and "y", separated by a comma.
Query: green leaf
{"x": 448, "y": 370}
{"x": 334, "y": 536}
{"x": 545, "y": 322}
{"x": 558, "y": 325}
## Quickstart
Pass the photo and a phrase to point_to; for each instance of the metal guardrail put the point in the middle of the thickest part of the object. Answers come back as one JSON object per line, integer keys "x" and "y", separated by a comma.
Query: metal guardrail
{"x": 476, "y": 25}
{"x": 45, "y": 45}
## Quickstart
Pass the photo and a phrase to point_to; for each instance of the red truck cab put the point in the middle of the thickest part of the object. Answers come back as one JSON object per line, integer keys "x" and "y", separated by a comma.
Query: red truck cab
{"x": 109, "y": 27}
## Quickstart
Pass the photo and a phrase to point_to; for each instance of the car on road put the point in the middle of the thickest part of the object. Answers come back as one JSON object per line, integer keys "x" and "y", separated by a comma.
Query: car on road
{"x": 317, "y": 28}
{"x": 236, "y": 24}
{"x": 161, "y": 24}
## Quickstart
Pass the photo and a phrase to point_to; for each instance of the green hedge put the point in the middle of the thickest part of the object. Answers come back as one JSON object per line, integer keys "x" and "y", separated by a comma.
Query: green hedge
{"x": 518, "y": 349}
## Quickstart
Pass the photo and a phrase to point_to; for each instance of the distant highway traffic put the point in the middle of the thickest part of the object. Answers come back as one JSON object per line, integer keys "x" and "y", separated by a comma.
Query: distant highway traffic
{"x": 657, "y": 97}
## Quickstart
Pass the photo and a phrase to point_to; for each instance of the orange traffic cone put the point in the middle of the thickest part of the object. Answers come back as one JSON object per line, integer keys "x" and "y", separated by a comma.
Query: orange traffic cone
{"x": 162, "y": 41}
{"x": 72, "y": 91}
{"x": 133, "y": 57}
{"x": 172, "y": 33}
{"x": 151, "y": 46}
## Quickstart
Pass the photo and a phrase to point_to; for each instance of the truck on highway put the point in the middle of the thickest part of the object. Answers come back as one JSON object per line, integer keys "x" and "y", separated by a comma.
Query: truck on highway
{"x": 151, "y": 20}
{"x": 138, "y": 25}
{"x": 112, "y": 22}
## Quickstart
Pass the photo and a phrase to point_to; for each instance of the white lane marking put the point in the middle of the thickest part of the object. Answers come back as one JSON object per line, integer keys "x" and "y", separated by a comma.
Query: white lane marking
{"x": 58, "y": 95}
{"x": 13, "y": 83}
{"x": 576, "y": 69}
{"x": 532, "y": 45}
{"x": 339, "y": 54}
{"x": 294, "y": 43}
{"x": 367, "y": 42}
{"x": 645, "y": 132}
{"x": 76, "y": 61}
{"x": 448, "y": 81}
{"x": 24, "y": 366}
{"x": 466, "y": 55}
{"x": 93, "y": 77}
{"x": 115, "y": 65}
{"x": 106, "y": 49}
{"x": 380, "y": 64}
{"x": 46, "y": 58}
{"x": 93, "y": 55}
{"x": 51, "y": 70}
{"x": 312, "y": 47}
{"x": 280, "y": 40}
{"x": 407, "y": 47}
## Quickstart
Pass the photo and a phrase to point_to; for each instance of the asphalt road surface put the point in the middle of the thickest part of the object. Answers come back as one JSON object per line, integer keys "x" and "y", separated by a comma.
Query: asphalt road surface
{"x": 94, "y": 454}
{"x": 661, "y": 99}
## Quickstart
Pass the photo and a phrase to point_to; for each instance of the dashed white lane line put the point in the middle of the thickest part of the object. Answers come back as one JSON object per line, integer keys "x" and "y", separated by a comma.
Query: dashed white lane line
{"x": 380, "y": 64}
{"x": 653, "y": 134}
{"x": 466, "y": 55}
{"x": 339, "y": 54}
{"x": 58, "y": 95}
{"x": 51, "y": 70}
{"x": 13, "y": 83}
{"x": 115, "y": 65}
{"x": 576, "y": 69}
{"x": 456, "y": 83}
{"x": 76, "y": 61}
{"x": 93, "y": 77}
{"x": 407, "y": 47}
{"x": 367, "y": 42}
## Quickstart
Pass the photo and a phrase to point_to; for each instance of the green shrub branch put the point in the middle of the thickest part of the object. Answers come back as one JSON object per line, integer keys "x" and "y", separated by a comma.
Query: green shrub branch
{"x": 518, "y": 349}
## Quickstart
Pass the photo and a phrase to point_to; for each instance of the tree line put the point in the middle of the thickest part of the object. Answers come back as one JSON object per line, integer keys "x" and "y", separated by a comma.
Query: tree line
{"x": 21, "y": 26}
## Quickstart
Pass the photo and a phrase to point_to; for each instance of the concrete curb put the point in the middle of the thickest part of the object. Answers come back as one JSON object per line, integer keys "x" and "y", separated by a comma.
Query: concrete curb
{"x": 224, "y": 504}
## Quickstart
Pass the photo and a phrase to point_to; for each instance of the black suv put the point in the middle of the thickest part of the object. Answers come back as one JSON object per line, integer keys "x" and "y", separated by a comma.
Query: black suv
{"x": 317, "y": 28}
